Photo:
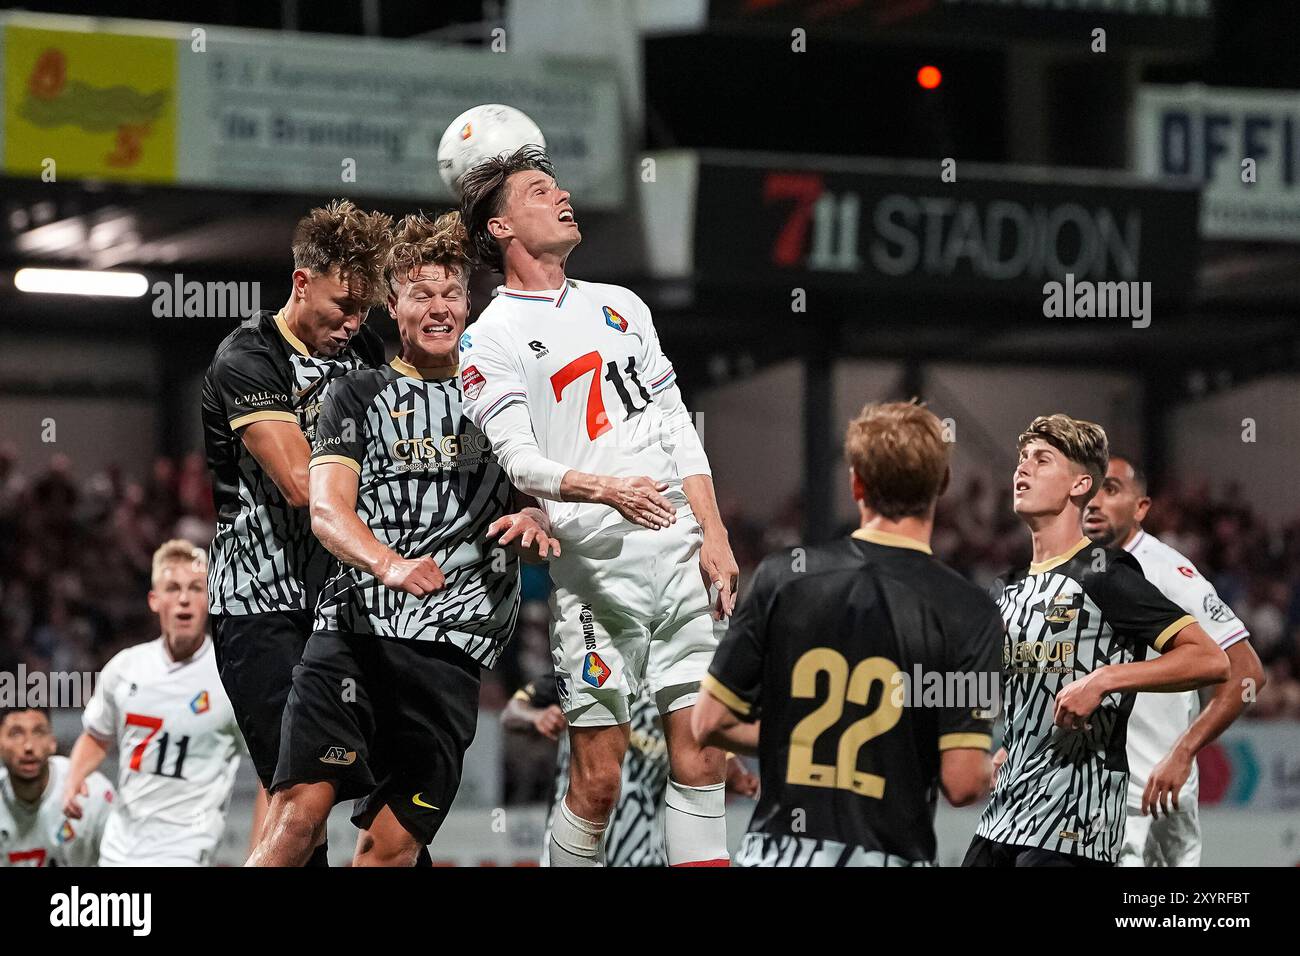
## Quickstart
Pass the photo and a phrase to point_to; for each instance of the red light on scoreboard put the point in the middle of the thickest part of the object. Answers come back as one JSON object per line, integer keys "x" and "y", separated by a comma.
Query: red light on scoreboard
{"x": 929, "y": 77}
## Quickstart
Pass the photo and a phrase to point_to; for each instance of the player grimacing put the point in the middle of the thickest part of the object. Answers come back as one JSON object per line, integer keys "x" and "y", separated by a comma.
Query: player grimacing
{"x": 1165, "y": 733}
{"x": 407, "y": 495}
{"x": 261, "y": 398}
{"x": 1080, "y": 621}
{"x": 807, "y": 673}
{"x": 567, "y": 380}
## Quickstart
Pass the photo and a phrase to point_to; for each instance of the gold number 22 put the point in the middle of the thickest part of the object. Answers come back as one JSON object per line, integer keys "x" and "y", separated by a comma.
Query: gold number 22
{"x": 855, "y": 688}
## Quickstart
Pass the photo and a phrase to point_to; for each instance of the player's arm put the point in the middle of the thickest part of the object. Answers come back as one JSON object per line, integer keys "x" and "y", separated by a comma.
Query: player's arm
{"x": 717, "y": 725}
{"x": 1225, "y": 706}
{"x": 727, "y": 712}
{"x": 87, "y": 754}
{"x": 496, "y": 400}
{"x": 532, "y": 710}
{"x": 255, "y": 396}
{"x": 335, "y": 479}
{"x": 639, "y": 499}
{"x": 335, "y": 523}
{"x": 527, "y": 531}
{"x": 966, "y": 771}
{"x": 99, "y": 722}
{"x": 717, "y": 563}
{"x": 282, "y": 450}
{"x": 964, "y": 775}
{"x": 101, "y": 806}
{"x": 1188, "y": 657}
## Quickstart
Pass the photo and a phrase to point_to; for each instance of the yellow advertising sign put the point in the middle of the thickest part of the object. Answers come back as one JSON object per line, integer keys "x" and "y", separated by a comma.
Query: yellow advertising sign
{"x": 99, "y": 105}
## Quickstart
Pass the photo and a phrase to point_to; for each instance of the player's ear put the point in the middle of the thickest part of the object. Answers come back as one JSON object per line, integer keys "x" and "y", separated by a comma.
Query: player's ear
{"x": 1082, "y": 485}
{"x": 153, "y": 601}
{"x": 498, "y": 228}
{"x": 301, "y": 277}
{"x": 1143, "y": 506}
{"x": 855, "y": 482}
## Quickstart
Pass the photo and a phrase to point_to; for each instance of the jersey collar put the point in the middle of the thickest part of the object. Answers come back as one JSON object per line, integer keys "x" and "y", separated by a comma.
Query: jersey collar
{"x": 1060, "y": 559}
{"x": 427, "y": 373}
{"x": 890, "y": 540}
{"x": 1132, "y": 545}
{"x": 295, "y": 343}
{"x": 554, "y": 297}
{"x": 174, "y": 665}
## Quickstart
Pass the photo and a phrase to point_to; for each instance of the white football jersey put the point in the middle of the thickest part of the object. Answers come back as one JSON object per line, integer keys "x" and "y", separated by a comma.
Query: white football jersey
{"x": 40, "y": 835}
{"x": 585, "y": 360}
{"x": 1158, "y": 720}
{"x": 177, "y": 740}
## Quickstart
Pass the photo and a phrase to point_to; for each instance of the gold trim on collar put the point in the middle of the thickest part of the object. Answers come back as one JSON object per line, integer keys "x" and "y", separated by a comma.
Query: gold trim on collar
{"x": 891, "y": 540}
{"x": 1060, "y": 559}
{"x": 428, "y": 372}
{"x": 282, "y": 324}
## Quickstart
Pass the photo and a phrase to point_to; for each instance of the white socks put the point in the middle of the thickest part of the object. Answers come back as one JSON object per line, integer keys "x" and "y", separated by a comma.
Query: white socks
{"x": 695, "y": 825}
{"x": 574, "y": 841}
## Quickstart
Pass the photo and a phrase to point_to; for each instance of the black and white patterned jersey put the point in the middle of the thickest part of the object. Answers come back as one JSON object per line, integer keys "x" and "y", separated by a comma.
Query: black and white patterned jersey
{"x": 429, "y": 485}
{"x": 1064, "y": 790}
{"x": 837, "y": 650}
{"x": 263, "y": 556}
{"x": 635, "y": 835}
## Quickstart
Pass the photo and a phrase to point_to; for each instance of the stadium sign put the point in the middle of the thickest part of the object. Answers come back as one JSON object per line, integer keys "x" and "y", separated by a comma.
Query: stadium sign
{"x": 994, "y": 233}
{"x": 1241, "y": 146}
{"x": 272, "y": 111}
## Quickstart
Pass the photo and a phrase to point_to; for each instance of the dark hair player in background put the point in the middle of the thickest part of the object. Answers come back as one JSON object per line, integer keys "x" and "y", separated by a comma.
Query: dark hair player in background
{"x": 1165, "y": 731}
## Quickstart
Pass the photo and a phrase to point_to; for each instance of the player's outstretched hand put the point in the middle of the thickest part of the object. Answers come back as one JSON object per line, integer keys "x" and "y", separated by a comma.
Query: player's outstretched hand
{"x": 720, "y": 572}
{"x": 525, "y": 532}
{"x": 1076, "y": 701}
{"x": 1164, "y": 784}
{"x": 550, "y": 722}
{"x": 72, "y": 801}
{"x": 418, "y": 576}
{"x": 639, "y": 501}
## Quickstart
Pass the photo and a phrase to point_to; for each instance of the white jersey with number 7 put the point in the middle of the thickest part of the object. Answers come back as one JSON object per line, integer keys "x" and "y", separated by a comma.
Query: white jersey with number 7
{"x": 177, "y": 740}
{"x": 601, "y": 395}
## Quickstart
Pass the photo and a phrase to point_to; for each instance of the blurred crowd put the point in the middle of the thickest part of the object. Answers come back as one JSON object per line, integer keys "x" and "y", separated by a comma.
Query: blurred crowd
{"x": 75, "y": 551}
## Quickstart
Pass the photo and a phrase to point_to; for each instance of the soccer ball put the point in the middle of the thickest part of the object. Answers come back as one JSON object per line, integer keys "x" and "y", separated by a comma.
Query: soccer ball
{"x": 480, "y": 133}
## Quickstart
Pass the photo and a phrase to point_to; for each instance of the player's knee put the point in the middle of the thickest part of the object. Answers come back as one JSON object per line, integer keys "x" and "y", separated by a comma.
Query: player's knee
{"x": 593, "y": 791}
{"x": 395, "y": 853}
{"x": 296, "y": 830}
{"x": 695, "y": 766}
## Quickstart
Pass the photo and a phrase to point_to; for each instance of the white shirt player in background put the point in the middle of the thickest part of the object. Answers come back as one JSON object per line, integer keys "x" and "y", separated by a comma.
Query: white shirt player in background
{"x": 163, "y": 705}
{"x": 567, "y": 380}
{"x": 33, "y": 828}
{"x": 1167, "y": 731}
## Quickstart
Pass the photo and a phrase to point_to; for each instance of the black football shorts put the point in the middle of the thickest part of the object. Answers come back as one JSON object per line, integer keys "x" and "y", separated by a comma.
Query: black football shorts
{"x": 256, "y": 655}
{"x": 387, "y": 721}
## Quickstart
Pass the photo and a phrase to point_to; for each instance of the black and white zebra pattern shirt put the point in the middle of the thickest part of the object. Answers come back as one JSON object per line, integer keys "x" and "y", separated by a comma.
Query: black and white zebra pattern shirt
{"x": 263, "y": 557}
{"x": 429, "y": 485}
{"x": 1064, "y": 790}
